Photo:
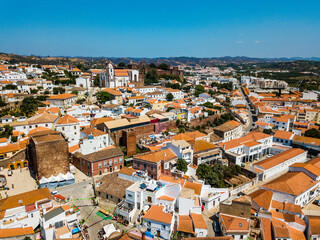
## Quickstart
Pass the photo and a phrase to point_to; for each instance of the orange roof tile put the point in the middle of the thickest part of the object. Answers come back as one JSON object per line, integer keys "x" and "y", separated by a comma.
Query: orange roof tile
{"x": 74, "y": 148}
{"x": 67, "y": 119}
{"x": 166, "y": 198}
{"x": 62, "y": 96}
{"x": 156, "y": 214}
{"x": 262, "y": 198}
{"x": 157, "y": 156}
{"x": 16, "y": 232}
{"x": 234, "y": 224}
{"x": 293, "y": 183}
{"x": 198, "y": 221}
{"x": 279, "y": 158}
{"x": 283, "y": 134}
{"x": 185, "y": 224}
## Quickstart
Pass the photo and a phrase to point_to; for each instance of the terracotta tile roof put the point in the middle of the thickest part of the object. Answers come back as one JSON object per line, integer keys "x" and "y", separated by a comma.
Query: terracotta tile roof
{"x": 251, "y": 143}
{"x": 38, "y": 129}
{"x": 279, "y": 158}
{"x": 166, "y": 198}
{"x": 314, "y": 222}
{"x": 156, "y": 214}
{"x": 238, "y": 142}
{"x": 296, "y": 234}
{"x": 67, "y": 119}
{"x": 16, "y": 232}
{"x": 95, "y": 132}
{"x": 62, "y": 96}
{"x": 290, "y": 218}
{"x": 197, "y": 187}
{"x": 11, "y": 148}
{"x": 74, "y": 148}
{"x": 182, "y": 136}
{"x": 306, "y": 140}
{"x": 103, "y": 154}
{"x": 185, "y": 224}
{"x": 154, "y": 148}
{"x": 198, "y": 221}
{"x": 203, "y": 145}
{"x": 228, "y": 126}
{"x": 309, "y": 167}
{"x": 127, "y": 171}
{"x": 266, "y": 229}
{"x": 157, "y": 156}
{"x": 166, "y": 178}
{"x": 262, "y": 198}
{"x": 283, "y": 134}
{"x": 76, "y": 70}
{"x": 195, "y": 134}
{"x": 293, "y": 183}
{"x": 112, "y": 92}
{"x": 121, "y": 73}
{"x": 234, "y": 224}
{"x": 97, "y": 121}
{"x": 26, "y": 198}
{"x": 2, "y": 140}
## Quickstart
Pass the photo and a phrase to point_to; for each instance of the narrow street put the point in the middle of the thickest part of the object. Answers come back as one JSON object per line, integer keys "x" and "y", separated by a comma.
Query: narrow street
{"x": 249, "y": 126}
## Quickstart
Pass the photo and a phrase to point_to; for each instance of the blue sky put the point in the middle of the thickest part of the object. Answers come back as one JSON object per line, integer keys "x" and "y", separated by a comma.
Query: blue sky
{"x": 149, "y": 28}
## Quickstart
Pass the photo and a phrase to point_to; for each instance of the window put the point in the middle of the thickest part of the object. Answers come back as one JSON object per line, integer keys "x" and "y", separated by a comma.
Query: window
{"x": 62, "y": 128}
{"x": 75, "y": 127}
{"x": 46, "y": 125}
{"x": 149, "y": 199}
{"x": 100, "y": 165}
{"x": 163, "y": 227}
{"x": 151, "y": 168}
{"x": 115, "y": 161}
{"x": 105, "y": 163}
{"x": 120, "y": 159}
{"x": 110, "y": 162}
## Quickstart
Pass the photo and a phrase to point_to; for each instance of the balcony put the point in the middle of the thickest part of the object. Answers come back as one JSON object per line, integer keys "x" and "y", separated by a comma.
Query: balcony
{"x": 124, "y": 207}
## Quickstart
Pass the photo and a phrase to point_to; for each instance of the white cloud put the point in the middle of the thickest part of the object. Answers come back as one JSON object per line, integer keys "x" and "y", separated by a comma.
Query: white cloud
{"x": 256, "y": 41}
{"x": 239, "y": 42}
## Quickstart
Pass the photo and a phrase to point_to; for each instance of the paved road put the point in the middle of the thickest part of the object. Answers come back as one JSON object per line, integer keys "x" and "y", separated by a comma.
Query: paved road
{"x": 249, "y": 126}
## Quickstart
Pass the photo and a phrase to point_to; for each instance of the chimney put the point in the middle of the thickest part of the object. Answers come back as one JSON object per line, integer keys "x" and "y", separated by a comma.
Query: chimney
{"x": 224, "y": 146}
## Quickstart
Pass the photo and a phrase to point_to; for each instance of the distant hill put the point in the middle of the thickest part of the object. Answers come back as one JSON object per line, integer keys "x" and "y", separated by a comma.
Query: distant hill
{"x": 173, "y": 61}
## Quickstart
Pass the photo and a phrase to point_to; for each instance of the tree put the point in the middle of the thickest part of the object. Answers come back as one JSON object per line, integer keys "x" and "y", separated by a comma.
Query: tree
{"x": 169, "y": 97}
{"x": 267, "y": 131}
{"x": 30, "y": 105}
{"x": 2, "y": 103}
{"x": 34, "y": 91}
{"x": 164, "y": 66}
{"x": 121, "y": 65}
{"x": 198, "y": 90}
{"x": 208, "y": 105}
{"x": 151, "y": 77}
{"x": 75, "y": 92}
{"x": 58, "y": 90}
{"x": 96, "y": 81}
{"x": 103, "y": 97}
{"x": 182, "y": 165}
{"x": 10, "y": 87}
{"x": 314, "y": 133}
{"x": 153, "y": 65}
{"x": 6, "y": 131}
